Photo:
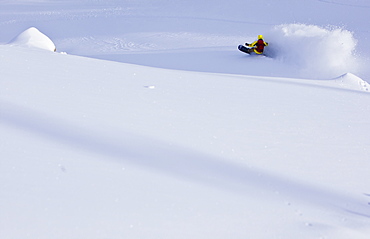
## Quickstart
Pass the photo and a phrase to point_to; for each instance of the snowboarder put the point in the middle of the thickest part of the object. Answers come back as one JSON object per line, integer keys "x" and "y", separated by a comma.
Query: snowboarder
{"x": 256, "y": 47}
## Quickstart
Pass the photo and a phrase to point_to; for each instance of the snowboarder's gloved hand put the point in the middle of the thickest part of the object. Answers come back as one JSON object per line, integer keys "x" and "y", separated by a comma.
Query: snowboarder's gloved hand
{"x": 247, "y": 44}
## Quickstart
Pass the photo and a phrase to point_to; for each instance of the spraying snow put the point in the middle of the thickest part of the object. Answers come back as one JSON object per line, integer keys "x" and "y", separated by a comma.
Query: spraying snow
{"x": 32, "y": 37}
{"x": 318, "y": 52}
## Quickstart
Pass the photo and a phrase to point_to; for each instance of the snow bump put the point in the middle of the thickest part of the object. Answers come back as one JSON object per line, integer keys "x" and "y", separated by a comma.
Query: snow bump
{"x": 32, "y": 37}
{"x": 352, "y": 81}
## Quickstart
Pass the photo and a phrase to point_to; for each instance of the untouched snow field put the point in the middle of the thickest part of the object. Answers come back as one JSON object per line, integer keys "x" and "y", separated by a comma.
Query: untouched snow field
{"x": 149, "y": 123}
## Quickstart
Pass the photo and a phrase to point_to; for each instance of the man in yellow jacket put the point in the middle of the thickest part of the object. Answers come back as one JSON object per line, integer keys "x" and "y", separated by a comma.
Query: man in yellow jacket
{"x": 257, "y": 46}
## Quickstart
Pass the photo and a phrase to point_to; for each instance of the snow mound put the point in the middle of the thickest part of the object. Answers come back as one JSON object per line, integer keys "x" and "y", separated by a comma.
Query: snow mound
{"x": 317, "y": 52}
{"x": 352, "y": 81}
{"x": 32, "y": 37}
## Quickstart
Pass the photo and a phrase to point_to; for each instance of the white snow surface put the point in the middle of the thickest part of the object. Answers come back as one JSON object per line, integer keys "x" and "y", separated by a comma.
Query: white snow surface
{"x": 149, "y": 123}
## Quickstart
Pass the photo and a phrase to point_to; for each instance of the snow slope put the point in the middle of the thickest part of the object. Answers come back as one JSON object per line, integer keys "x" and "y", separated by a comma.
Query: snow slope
{"x": 99, "y": 149}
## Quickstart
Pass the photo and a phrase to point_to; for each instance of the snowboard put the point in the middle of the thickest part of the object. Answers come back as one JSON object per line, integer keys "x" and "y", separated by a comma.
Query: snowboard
{"x": 243, "y": 49}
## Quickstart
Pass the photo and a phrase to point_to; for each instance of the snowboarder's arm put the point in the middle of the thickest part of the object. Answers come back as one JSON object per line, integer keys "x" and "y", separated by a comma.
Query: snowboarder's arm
{"x": 252, "y": 44}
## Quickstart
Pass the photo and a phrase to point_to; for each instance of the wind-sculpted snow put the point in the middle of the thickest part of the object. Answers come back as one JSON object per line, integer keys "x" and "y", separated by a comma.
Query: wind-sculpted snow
{"x": 317, "y": 52}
